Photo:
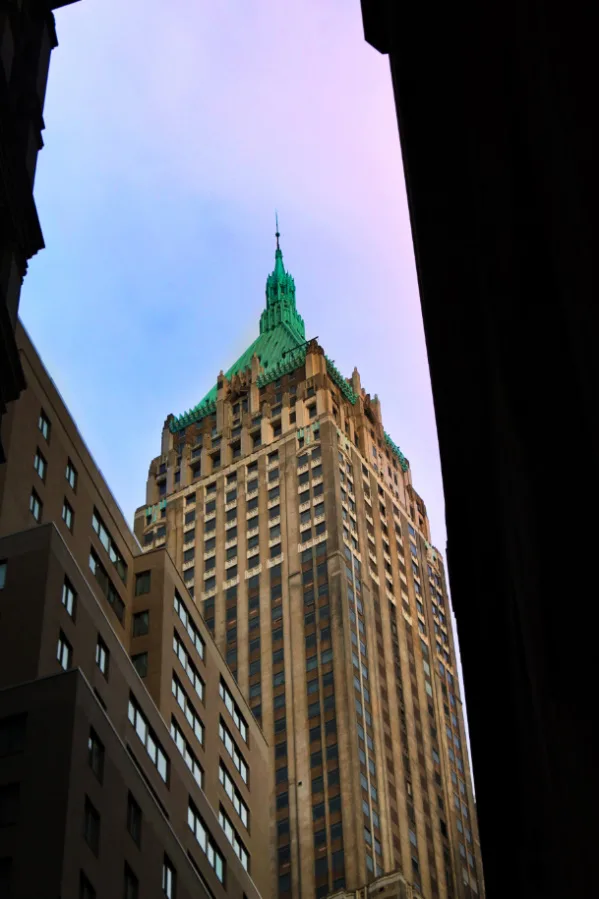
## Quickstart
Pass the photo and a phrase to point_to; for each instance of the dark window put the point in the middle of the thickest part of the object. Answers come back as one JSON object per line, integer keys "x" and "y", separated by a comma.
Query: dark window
{"x": 9, "y": 803}
{"x": 64, "y": 652}
{"x": 140, "y": 663}
{"x": 318, "y": 811}
{"x": 131, "y": 884}
{"x": 95, "y": 754}
{"x": 40, "y": 465}
{"x": 102, "y": 656}
{"x": 142, "y": 582}
{"x": 44, "y": 425}
{"x": 86, "y": 890}
{"x": 91, "y": 826}
{"x": 169, "y": 878}
{"x": 141, "y": 623}
{"x": 35, "y": 506}
{"x": 134, "y": 819}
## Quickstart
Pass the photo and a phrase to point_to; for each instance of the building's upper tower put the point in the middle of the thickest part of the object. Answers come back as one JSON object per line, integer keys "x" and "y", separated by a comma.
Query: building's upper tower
{"x": 291, "y": 514}
{"x": 280, "y": 300}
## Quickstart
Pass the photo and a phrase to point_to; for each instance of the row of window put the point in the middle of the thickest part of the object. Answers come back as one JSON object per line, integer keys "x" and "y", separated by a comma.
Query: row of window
{"x": 206, "y": 842}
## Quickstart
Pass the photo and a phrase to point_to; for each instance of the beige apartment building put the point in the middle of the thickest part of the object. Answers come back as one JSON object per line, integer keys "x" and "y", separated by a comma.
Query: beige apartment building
{"x": 130, "y": 763}
{"x": 291, "y": 516}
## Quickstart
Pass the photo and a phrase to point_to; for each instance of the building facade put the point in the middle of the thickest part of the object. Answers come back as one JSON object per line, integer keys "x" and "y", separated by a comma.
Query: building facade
{"x": 130, "y": 762}
{"x": 27, "y": 38}
{"x": 292, "y": 517}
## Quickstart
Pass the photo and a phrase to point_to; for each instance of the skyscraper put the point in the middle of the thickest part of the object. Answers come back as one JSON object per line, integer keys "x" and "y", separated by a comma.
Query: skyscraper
{"x": 291, "y": 514}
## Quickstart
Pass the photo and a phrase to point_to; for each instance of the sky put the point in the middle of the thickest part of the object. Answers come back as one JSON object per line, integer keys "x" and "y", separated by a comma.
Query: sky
{"x": 173, "y": 132}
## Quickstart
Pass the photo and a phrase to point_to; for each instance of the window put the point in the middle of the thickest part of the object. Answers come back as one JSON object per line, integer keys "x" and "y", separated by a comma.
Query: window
{"x": 67, "y": 514}
{"x": 108, "y": 588}
{"x": 35, "y": 506}
{"x": 187, "y": 752}
{"x": 3, "y": 568}
{"x": 233, "y": 751}
{"x": 141, "y": 623}
{"x": 40, "y": 465}
{"x": 188, "y": 624}
{"x": 134, "y": 819}
{"x": 131, "y": 884}
{"x": 110, "y": 546}
{"x": 95, "y": 754}
{"x": 188, "y": 665}
{"x": 44, "y": 425}
{"x": 140, "y": 663}
{"x": 233, "y": 709}
{"x": 12, "y": 735}
{"x": 86, "y": 890}
{"x": 91, "y": 826}
{"x": 205, "y": 841}
{"x": 71, "y": 475}
{"x": 64, "y": 652}
{"x": 234, "y": 795}
{"x": 102, "y": 656}
{"x": 169, "y": 878}
{"x": 68, "y": 597}
{"x": 148, "y": 738}
{"x": 142, "y": 582}
{"x": 193, "y": 719}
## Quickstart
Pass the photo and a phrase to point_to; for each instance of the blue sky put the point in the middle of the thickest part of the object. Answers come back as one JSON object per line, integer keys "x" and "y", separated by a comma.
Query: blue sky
{"x": 173, "y": 132}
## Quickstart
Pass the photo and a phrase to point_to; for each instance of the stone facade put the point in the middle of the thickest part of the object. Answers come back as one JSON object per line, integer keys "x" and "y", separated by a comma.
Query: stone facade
{"x": 102, "y": 644}
{"x": 292, "y": 517}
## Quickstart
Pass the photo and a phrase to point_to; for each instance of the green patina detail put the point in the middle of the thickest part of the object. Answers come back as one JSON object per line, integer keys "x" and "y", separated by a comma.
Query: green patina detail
{"x": 397, "y": 452}
{"x": 288, "y": 363}
{"x": 282, "y": 330}
{"x": 336, "y": 376}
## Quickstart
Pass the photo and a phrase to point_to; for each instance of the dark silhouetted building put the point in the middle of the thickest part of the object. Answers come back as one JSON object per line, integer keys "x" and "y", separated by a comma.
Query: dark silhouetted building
{"x": 500, "y": 145}
{"x": 27, "y": 38}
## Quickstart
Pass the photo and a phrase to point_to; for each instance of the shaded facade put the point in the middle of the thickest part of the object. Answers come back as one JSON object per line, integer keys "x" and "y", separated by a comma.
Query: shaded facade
{"x": 27, "y": 38}
{"x": 292, "y": 517}
{"x": 114, "y": 699}
{"x": 499, "y": 147}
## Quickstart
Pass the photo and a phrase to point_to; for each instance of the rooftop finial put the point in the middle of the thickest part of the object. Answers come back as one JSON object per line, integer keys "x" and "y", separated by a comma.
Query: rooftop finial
{"x": 277, "y": 234}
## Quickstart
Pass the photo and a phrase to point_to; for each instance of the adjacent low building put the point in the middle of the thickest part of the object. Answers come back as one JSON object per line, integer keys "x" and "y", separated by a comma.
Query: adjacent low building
{"x": 130, "y": 763}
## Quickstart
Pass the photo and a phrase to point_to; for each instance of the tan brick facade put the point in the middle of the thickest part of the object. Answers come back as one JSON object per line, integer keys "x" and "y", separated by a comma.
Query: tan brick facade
{"x": 347, "y": 656}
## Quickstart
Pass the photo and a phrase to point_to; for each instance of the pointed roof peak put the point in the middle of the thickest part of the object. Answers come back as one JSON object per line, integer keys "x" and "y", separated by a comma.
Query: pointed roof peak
{"x": 280, "y": 296}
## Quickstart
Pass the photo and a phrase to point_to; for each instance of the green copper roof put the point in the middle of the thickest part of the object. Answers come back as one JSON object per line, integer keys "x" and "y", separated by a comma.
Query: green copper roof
{"x": 397, "y": 452}
{"x": 278, "y": 347}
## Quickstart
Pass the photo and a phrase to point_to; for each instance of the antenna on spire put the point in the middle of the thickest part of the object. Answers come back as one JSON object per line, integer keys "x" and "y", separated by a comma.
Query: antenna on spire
{"x": 277, "y": 234}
